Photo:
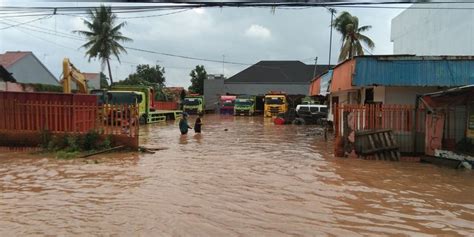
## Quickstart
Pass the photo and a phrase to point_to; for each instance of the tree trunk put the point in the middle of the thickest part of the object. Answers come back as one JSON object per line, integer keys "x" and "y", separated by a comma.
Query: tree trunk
{"x": 110, "y": 73}
{"x": 350, "y": 48}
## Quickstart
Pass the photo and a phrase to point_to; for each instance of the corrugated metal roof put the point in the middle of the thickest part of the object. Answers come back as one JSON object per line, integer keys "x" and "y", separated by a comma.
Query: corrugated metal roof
{"x": 447, "y": 71}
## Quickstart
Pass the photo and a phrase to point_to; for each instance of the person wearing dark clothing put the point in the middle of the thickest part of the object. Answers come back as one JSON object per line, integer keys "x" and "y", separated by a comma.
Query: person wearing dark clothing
{"x": 198, "y": 124}
{"x": 183, "y": 124}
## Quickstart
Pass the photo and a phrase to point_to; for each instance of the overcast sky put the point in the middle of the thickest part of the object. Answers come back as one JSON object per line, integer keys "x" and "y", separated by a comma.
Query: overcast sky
{"x": 245, "y": 35}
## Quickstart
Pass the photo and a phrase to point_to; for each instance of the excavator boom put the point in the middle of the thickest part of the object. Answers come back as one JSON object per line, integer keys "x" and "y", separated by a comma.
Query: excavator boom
{"x": 71, "y": 73}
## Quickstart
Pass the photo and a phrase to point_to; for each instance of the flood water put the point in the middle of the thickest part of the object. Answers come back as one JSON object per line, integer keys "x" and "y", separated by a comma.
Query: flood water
{"x": 255, "y": 179}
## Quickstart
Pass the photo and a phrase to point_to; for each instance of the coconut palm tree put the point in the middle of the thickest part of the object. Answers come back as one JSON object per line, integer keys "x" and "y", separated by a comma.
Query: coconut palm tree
{"x": 352, "y": 36}
{"x": 104, "y": 36}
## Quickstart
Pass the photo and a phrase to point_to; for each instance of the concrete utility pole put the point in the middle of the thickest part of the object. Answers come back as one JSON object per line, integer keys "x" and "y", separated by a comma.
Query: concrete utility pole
{"x": 332, "y": 11}
{"x": 315, "y": 65}
{"x": 223, "y": 59}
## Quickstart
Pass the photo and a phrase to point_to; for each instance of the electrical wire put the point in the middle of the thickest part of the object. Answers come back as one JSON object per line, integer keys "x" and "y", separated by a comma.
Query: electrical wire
{"x": 27, "y": 22}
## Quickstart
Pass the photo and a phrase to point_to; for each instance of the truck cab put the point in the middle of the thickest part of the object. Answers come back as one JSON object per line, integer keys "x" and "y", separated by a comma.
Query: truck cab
{"x": 193, "y": 104}
{"x": 275, "y": 103}
{"x": 248, "y": 105}
{"x": 145, "y": 101}
{"x": 227, "y": 103}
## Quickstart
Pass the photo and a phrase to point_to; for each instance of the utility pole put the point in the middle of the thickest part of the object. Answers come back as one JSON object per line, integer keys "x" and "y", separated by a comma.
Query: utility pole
{"x": 332, "y": 11}
{"x": 223, "y": 60}
{"x": 315, "y": 65}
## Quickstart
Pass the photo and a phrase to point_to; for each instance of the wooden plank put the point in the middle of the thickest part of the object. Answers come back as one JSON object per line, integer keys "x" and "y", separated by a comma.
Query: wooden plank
{"x": 372, "y": 144}
{"x": 390, "y": 143}
{"x": 379, "y": 143}
{"x": 397, "y": 153}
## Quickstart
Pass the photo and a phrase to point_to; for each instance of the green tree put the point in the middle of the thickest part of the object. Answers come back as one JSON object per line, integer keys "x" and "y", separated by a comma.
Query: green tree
{"x": 103, "y": 81}
{"x": 198, "y": 75}
{"x": 146, "y": 75}
{"x": 104, "y": 36}
{"x": 348, "y": 26}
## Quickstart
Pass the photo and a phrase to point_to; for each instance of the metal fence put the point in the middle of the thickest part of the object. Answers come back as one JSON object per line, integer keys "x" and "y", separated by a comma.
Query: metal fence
{"x": 65, "y": 113}
{"x": 407, "y": 124}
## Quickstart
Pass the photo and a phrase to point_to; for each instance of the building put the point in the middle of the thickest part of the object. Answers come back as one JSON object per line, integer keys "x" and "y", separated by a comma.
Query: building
{"x": 397, "y": 79}
{"x": 213, "y": 89}
{"x": 27, "y": 68}
{"x": 292, "y": 77}
{"x": 449, "y": 121}
{"x": 320, "y": 85}
{"x": 434, "y": 30}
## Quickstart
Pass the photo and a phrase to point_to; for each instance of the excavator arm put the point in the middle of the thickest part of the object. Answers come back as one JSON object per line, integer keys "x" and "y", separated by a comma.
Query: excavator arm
{"x": 70, "y": 74}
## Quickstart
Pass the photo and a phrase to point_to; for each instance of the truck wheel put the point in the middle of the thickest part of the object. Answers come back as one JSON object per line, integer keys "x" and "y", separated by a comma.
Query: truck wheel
{"x": 142, "y": 120}
{"x": 298, "y": 121}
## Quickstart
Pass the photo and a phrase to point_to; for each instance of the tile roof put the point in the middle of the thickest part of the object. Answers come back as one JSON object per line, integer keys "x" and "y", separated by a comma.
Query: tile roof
{"x": 9, "y": 58}
{"x": 284, "y": 72}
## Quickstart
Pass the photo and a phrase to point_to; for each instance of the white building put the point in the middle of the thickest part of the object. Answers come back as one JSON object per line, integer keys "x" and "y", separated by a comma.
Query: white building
{"x": 437, "y": 29}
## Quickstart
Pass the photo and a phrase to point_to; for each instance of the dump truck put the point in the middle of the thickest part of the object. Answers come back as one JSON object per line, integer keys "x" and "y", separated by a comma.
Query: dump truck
{"x": 248, "y": 105}
{"x": 276, "y": 102}
{"x": 143, "y": 96}
{"x": 193, "y": 104}
{"x": 227, "y": 104}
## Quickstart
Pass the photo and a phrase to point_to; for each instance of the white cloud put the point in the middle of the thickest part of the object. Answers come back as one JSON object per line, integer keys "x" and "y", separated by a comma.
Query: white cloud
{"x": 199, "y": 11}
{"x": 258, "y": 31}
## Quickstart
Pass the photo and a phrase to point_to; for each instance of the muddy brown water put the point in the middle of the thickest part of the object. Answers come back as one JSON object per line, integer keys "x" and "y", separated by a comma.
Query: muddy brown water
{"x": 256, "y": 179}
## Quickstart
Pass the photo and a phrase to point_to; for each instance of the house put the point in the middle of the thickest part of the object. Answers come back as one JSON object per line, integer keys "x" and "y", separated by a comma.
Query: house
{"x": 449, "y": 123}
{"x": 27, "y": 68}
{"x": 397, "y": 79}
{"x": 434, "y": 29}
{"x": 292, "y": 77}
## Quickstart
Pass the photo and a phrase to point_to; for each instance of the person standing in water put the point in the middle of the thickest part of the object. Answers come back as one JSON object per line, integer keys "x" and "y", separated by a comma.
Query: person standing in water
{"x": 183, "y": 124}
{"x": 198, "y": 124}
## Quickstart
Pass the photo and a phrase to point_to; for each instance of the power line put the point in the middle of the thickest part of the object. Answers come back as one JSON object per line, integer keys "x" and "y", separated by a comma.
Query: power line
{"x": 27, "y": 22}
{"x": 165, "y": 14}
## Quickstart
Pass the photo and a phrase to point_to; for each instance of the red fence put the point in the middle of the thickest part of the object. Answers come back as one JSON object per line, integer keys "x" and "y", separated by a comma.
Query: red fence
{"x": 57, "y": 112}
{"x": 406, "y": 122}
{"x": 162, "y": 105}
{"x": 399, "y": 118}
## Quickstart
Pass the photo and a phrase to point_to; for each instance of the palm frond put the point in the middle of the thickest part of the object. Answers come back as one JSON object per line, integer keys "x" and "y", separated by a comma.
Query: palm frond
{"x": 346, "y": 48}
{"x": 366, "y": 40}
{"x": 364, "y": 28}
{"x": 358, "y": 48}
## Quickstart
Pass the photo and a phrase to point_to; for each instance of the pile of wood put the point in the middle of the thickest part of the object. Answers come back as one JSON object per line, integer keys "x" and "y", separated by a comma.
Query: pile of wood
{"x": 378, "y": 143}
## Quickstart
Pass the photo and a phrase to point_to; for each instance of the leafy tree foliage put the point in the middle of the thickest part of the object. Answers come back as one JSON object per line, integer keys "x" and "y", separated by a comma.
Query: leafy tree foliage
{"x": 103, "y": 36}
{"x": 103, "y": 81}
{"x": 198, "y": 75}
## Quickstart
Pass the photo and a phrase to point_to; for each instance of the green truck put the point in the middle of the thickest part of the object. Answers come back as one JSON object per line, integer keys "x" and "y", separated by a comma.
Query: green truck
{"x": 193, "y": 104}
{"x": 248, "y": 105}
{"x": 142, "y": 96}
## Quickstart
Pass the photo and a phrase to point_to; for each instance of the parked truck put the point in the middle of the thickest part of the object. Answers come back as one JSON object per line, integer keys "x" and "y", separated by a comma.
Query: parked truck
{"x": 227, "y": 103}
{"x": 248, "y": 105}
{"x": 276, "y": 102}
{"x": 142, "y": 96}
{"x": 193, "y": 104}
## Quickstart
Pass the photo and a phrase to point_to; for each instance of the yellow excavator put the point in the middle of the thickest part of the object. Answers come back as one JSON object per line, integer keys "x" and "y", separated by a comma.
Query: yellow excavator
{"x": 71, "y": 73}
